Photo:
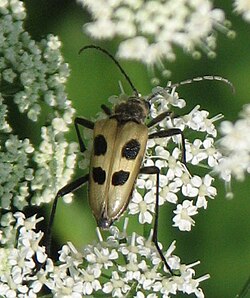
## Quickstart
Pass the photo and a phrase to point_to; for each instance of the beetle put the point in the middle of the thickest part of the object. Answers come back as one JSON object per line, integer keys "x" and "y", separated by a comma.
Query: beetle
{"x": 119, "y": 144}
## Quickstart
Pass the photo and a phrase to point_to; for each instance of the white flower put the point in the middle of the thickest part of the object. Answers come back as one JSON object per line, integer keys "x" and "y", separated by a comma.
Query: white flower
{"x": 102, "y": 257}
{"x": 234, "y": 146}
{"x": 140, "y": 266}
{"x": 194, "y": 153}
{"x": 18, "y": 277}
{"x": 150, "y": 30}
{"x": 168, "y": 192}
{"x": 90, "y": 277}
{"x": 174, "y": 166}
{"x": 141, "y": 295}
{"x": 236, "y": 135}
{"x": 199, "y": 121}
{"x": 116, "y": 286}
{"x": 143, "y": 205}
{"x": 205, "y": 190}
{"x": 131, "y": 249}
{"x": 34, "y": 76}
{"x": 132, "y": 270}
{"x": 13, "y": 174}
{"x": 183, "y": 218}
{"x": 167, "y": 97}
{"x": 243, "y": 7}
{"x": 213, "y": 154}
{"x": 90, "y": 272}
{"x": 59, "y": 125}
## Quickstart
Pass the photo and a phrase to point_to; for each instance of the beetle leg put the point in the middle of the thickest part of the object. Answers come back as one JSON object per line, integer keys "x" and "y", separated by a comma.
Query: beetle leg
{"x": 159, "y": 118}
{"x": 169, "y": 133}
{"x": 72, "y": 186}
{"x": 155, "y": 170}
{"x": 106, "y": 110}
{"x": 85, "y": 123}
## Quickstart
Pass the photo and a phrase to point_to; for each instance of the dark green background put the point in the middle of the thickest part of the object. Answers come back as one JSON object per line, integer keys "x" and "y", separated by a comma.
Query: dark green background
{"x": 220, "y": 239}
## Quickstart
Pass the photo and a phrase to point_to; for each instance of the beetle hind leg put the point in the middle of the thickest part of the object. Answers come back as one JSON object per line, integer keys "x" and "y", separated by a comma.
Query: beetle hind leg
{"x": 170, "y": 133}
{"x": 71, "y": 187}
{"x": 167, "y": 132}
{"x": 155, "y": 170}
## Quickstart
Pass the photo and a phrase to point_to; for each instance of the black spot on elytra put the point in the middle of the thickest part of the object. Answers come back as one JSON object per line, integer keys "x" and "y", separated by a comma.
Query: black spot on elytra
{"x": 99, "y": 175}
{"x": 131, "y": 149}
{"x": 119, "y": 178}
{"x": 100, "y": 145}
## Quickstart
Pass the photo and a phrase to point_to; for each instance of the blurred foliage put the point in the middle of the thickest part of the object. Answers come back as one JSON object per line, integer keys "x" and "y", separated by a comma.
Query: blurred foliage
{"x": 220, "y": 239}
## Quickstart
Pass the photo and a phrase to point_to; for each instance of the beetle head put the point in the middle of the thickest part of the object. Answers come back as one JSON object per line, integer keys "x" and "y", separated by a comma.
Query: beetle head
{"x": 134, "y": 109}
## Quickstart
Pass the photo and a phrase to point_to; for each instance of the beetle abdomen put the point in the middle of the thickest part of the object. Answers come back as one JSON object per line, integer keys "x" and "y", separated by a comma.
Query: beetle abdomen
{"x": 115, "y": 163}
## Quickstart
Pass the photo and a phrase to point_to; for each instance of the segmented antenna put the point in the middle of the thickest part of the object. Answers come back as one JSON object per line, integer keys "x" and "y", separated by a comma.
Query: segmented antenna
{"x": 204, "y": 78}
{"x": 196, "y": 79}
{"x": 114, "y": 60}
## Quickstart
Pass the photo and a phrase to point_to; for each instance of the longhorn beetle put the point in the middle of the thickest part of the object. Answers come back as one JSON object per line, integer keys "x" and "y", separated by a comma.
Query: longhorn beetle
{"x": 119, "y": 144}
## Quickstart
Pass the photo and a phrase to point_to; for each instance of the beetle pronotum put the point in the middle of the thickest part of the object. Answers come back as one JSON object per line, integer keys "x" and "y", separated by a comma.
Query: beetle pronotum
{"x": 119, "y": 144}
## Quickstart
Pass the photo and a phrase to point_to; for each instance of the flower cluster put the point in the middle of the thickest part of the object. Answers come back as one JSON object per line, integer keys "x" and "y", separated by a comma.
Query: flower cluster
{"x": 18, "y": 262}
{"x": 243, "y": 7}
{"x": 118, "y": 266}
{"x": 235, "y": 147}
{"x": 151, "y": 29}
{"x": 122, "y": 266}
{"x": 32, "y": 76}
{"x": 15, "y": 173}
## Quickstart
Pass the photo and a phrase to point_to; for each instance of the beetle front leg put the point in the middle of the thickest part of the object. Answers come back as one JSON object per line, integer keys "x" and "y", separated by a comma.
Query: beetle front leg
{"x": 71, "y": 187}
{"x": 159, "y": 118}
{"x": 155, "y": 170}
{"x": 106, "y": 110}
{"x": 85, "y": 123}
{"x": 169, "y": 133}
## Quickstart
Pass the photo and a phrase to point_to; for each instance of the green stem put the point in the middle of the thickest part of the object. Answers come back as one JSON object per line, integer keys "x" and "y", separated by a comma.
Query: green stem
{"x": 146, "y": 230}
{"x": 244, "y": 290}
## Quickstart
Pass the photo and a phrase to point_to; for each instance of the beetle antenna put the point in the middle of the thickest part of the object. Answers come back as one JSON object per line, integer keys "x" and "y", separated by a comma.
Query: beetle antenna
{"x": 204, "y": 78}
{"x": 196, "y": 79}
{"x": 114, "y": 60}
